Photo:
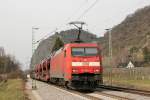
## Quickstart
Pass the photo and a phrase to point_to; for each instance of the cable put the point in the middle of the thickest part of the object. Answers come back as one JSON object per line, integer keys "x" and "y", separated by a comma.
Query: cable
{"x": 70, "y": 17}
{"x": 65, "y": 21}
{"x": 45, "y": 36}
{"x": 77, "y": 10}
{"x": 87, "y": 10}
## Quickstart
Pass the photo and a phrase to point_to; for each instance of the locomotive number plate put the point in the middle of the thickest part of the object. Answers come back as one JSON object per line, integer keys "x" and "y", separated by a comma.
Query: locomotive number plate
{"x": 85, "y": 63}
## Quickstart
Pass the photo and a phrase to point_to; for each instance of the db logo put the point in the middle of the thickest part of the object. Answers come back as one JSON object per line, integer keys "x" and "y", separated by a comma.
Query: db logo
{"x": 85, "y": 63}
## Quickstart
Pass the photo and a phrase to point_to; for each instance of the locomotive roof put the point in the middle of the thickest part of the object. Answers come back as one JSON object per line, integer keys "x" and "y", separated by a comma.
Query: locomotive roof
{"x": 82, "y": 44}
{"x": 75, "y": 45}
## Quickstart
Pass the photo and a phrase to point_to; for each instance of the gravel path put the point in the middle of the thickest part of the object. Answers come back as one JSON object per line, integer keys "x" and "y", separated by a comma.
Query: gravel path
{"x": 47, "y": 92}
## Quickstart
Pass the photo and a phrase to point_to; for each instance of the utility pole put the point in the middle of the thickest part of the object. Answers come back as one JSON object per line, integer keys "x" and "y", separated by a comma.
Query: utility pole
{"x": 110, "y": 51}
{"x": 110, "y": 43}
{"x": 147, "y": 38}
{"x": 33, "y": 49}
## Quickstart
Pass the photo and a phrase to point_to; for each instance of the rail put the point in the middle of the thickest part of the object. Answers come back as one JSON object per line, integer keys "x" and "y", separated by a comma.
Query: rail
{"x": 135, "y": 91}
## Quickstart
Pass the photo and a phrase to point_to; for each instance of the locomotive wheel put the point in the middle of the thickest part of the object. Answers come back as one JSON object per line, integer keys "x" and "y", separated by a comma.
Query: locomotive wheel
{"x": 67, "y": 85}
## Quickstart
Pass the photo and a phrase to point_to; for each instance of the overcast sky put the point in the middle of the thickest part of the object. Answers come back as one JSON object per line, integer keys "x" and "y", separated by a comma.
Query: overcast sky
{"x": 18, "y": 16}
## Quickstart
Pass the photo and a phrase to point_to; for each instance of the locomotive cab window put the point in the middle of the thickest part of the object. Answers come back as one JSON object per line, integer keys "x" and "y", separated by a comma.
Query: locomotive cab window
{"x": 84, "y": 51}
{"x": 77, "y": 51}
{"x": 91, "y": 51}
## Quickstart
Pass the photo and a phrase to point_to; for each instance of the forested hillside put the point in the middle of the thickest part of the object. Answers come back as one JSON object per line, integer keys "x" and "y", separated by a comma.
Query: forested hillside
{"x": 130, "y": 39}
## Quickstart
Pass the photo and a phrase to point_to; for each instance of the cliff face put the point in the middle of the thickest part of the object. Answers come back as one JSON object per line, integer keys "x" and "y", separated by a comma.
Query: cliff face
{"x": 130, "y": 38}
{"x": 45, "y": 47}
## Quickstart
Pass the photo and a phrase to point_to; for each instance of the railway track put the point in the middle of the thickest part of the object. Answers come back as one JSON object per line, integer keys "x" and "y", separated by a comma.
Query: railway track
{"x": 92, "y": 95}
{"x": 102, "y": 95}
{"x": 87, "y": 95}
{"x": 129, "y": 90}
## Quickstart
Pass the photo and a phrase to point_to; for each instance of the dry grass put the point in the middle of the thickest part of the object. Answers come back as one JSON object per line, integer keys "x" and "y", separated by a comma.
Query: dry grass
{"x": 133, "y": 78}
{"x": 13, "y": 89}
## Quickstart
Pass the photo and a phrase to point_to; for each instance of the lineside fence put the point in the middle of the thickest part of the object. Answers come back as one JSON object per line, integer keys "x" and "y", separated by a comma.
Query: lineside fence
{"x": 138, "y": 77}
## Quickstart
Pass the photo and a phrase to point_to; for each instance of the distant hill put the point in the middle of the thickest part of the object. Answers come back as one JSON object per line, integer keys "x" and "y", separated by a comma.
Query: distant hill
{"x": 45, "y": 47}
{"x": 130, "y": 39}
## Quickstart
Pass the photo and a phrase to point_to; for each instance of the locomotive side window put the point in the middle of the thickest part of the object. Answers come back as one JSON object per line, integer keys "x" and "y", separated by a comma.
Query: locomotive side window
{"x": 87, "y": 51}
{"x": 77, "y": 51}
{"x": 65, "y": 53}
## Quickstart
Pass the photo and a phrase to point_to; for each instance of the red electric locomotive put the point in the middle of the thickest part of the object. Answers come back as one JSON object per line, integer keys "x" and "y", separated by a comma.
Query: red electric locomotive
{"x": 78, "y": 65}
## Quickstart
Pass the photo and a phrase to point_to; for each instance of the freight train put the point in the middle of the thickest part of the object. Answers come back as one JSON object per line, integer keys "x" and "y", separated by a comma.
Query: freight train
{"x": 76, "y": 65}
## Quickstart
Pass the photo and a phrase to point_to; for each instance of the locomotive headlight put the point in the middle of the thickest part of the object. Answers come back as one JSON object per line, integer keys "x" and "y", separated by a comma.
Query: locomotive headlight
{"x": 97, "y": 71}
{"x": 75, "y": 71}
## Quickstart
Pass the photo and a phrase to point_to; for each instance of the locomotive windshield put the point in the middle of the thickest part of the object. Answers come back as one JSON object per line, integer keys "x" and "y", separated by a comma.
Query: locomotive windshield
{"x": 84, "y": 51}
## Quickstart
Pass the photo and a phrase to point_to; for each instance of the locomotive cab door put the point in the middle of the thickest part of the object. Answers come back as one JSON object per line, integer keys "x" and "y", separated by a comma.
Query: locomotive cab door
{"x": 64, "y": 65}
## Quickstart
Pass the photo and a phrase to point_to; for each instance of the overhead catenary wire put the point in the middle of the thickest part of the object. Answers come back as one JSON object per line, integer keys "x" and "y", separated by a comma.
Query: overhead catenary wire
{"x": 45, "y": 36}
{"x": 75, "y": 12}
{"x": 85, "y": 2}
{"x": 87, "y": 10}
{"x": 61, "y": 25}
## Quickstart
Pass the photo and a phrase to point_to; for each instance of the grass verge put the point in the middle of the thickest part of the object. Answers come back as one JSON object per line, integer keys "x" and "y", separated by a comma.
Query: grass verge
{"x": 13, "y": 89}
{"x": 138, "y": 84}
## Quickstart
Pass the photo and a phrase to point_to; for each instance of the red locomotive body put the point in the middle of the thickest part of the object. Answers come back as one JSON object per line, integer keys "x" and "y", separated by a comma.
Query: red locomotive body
{"x": 76, "y": 65}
